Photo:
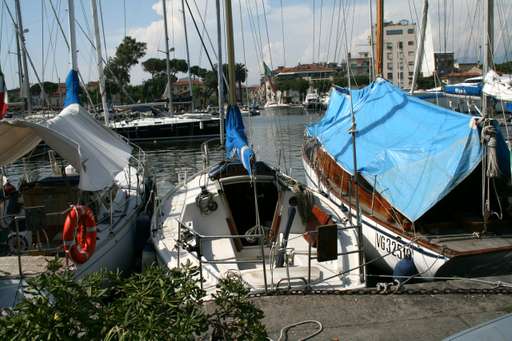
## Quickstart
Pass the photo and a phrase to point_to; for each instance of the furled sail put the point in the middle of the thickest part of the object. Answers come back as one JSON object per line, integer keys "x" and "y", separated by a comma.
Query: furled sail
{"x": 412, "y": 152}
{"x": 499, "y": 87}
{"x": 3, "y": 96}
{"x": 72, "y": 88}
{"x": 236, "y": 140}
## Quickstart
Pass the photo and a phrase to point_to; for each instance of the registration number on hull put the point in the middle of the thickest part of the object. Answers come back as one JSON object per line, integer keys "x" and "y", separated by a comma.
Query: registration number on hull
{"x": 392, "y": 246}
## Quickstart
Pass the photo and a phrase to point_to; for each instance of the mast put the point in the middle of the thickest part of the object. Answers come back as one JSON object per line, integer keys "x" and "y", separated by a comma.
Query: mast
{"x": 231, "y": 52}
{"x": 421, "y": 44}
{"x": 488, "y": 44}
{"x": 188, "y": 53}
{"x": 379, "y": 33}
{"x": 167, "y": 62}
{"x": 99, "y": 60}
{"x": 372, "y": 44}
{"x": 72, "y": 34}
{"x": 21, "y": 37}
{"x": 220, "y": 75}
{"x": 18, "y": 57}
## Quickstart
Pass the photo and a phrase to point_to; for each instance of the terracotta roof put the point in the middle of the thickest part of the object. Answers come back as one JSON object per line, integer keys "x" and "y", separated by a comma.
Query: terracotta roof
{"x": 304, "y": 68}
{"x": 184, "y": 81}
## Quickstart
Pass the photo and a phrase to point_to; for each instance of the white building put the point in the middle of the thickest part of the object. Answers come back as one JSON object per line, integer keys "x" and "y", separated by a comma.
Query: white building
{"x": 399, "y": 52}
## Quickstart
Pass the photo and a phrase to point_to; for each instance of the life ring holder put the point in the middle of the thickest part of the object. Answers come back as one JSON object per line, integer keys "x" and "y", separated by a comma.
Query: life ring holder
{"x": 79, "y": 234}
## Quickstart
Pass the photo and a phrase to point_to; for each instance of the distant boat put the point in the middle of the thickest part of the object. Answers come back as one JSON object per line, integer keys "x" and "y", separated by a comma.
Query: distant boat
{"x": 312, "y": 100}
{"x": 420, "y": 171}
{"x": 469, "y": 87}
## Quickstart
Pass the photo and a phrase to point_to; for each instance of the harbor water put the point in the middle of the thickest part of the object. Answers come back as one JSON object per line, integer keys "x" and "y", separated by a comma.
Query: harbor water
{"x": 275, "y": 139}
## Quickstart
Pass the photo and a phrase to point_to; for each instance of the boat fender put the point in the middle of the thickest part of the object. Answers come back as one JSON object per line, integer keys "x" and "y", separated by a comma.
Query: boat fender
{"x": 404, "y": 269}
{"x": 79, "y": 234}
{"x": 142, "y": 232}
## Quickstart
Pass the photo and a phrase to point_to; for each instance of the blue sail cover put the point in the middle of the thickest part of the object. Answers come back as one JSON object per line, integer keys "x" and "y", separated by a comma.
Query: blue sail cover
{"x": 412, "y": 152}
{"x": 72, "y": 87}
{"x": 236, "y": 140}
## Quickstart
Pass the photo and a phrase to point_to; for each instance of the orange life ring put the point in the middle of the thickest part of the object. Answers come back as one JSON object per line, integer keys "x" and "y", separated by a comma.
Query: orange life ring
{"x": 79, "y": 234}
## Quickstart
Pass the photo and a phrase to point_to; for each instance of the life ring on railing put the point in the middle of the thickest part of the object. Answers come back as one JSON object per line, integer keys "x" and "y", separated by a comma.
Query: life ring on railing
{"x": 79, "y": 234}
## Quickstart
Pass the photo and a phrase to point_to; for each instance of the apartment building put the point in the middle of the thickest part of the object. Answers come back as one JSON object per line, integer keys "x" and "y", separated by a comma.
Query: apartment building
{"x": 399, "y": 52}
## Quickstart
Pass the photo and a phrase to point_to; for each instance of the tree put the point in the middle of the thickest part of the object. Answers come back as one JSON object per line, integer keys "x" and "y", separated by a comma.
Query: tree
{"x": 154, "y": 66}
{"x": 198, "y": 71}
{"x": 117, "y": 70}
{"x": 322, "y": 85}
{"x": 240, "y": 77}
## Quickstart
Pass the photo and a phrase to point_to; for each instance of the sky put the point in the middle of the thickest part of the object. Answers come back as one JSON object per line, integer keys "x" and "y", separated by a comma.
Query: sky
{"x": 278, "y": 32}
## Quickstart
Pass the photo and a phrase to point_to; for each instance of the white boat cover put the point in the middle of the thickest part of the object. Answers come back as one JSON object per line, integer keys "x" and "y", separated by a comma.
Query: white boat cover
{"x": 97, "y": 152}
{"x": 499, "y": 87}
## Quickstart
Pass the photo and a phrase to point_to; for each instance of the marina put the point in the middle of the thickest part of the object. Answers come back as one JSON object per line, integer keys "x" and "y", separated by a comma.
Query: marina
{"x": 361, "y": 195}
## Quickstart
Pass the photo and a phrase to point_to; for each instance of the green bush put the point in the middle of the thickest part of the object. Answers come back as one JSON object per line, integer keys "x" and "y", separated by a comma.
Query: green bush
{"x": 155, "y": 305}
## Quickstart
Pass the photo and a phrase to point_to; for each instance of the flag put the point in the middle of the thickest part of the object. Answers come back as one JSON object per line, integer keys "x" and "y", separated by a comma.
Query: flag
{"x": 3, "y": 96}
{"x": 236, "y": 140}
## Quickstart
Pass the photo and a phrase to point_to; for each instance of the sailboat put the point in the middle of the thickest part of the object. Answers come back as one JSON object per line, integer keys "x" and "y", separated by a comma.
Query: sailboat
{"x": 89, "y": 211}
{"x": 241, "y": 216}
{"x": 168, "y": 126}
{"x": 435, "y": 183}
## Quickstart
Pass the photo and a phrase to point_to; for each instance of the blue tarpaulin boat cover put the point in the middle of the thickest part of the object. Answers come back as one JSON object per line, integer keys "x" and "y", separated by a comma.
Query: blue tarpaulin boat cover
{"x": 72, "y": 87}
{"x": 412, "y": 152}
{"x": 236, "y": 140}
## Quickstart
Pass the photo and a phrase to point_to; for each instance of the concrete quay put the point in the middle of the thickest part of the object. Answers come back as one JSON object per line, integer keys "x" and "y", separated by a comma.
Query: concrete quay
{"x": 386, "y": 317}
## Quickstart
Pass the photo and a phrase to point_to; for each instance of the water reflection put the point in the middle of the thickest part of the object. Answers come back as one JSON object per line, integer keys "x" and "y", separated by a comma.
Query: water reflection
{"x": 275, "y": 139}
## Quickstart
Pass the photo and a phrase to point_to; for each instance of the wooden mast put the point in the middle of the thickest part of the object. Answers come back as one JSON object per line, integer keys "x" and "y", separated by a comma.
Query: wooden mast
{"x": 231, "y": 52}
{"x": 379, "y": 33}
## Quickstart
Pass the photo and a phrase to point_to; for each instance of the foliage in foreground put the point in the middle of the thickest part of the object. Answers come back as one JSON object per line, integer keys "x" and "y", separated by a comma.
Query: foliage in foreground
{"x": 155, "y": 305}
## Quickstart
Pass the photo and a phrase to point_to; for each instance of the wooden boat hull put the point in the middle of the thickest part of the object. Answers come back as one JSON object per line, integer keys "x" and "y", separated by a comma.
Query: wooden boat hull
{"x": 387, "y": 245}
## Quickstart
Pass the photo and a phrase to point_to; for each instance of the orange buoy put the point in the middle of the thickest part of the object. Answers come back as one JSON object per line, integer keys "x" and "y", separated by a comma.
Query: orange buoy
{"x": 79, "y": 234}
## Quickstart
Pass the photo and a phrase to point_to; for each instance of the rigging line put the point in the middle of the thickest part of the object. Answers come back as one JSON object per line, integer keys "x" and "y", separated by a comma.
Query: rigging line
{"x": 330, "y": 30}
{"x": 313, "y": 52}
{"x": 51, "y": 30}
{"x": 254, "y": 33}
{"x": 203, "y": 30}
{"x": 257, "y": 21}
{"x": 320, "y": 30}
{"x": 245, "y": 58}
{"x": 268, "y": 36}
{"x": 259, "y": 54}
{"x": 337, "y": 32}
{"x": 343, "y": 9}
{"x": 103, "y": 34}
{"x": 206, "y": 30}
{"x": 282, "y": 31}
{"x": 173, "y": 34}
{"x": 24, "y": 47}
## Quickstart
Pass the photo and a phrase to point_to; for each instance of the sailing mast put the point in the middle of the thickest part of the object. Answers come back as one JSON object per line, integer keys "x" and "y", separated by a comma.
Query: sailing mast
{"x": 220, "y": 74}
{"x": 167, "y": 62}
{"x": 21, "y": 37}
{"x": 488, "y": 45}
{"x": 231, "y": 53}
{"x": 372, "y": 44}
{"x": 188, "y": 53}
{"x": 421, "y": 44}
{"x": 380, "y": 39}
{"x": 72, "y": 34}
{"x": 99, "y": 60}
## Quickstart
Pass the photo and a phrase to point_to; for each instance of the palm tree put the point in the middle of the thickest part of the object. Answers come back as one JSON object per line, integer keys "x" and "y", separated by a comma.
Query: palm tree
{"x": 240, "y": 77}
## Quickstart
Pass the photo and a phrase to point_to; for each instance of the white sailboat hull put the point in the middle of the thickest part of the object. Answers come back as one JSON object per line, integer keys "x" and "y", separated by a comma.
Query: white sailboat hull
{"x": 383, "y": 246}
